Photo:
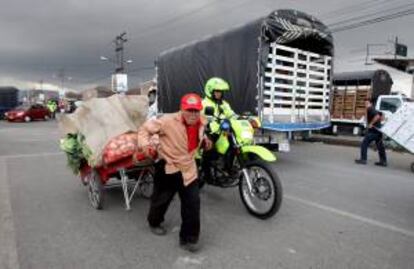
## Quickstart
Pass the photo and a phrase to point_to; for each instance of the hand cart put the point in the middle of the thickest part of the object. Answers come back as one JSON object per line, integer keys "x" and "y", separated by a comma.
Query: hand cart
{"x": 134, "y": 172}
{"x": 400, "y": 128}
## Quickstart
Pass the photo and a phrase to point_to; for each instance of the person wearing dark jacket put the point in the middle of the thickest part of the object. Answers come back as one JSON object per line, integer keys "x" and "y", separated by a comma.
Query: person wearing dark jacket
{"x": 373, "y": 118}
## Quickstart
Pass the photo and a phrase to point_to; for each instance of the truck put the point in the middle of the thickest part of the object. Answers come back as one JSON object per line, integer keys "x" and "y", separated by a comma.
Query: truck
{"x": 389, "y": 104}
{"x": 9, "y": 99}
{"x": 350, "y": 91}
{"x": 279, "y": 68}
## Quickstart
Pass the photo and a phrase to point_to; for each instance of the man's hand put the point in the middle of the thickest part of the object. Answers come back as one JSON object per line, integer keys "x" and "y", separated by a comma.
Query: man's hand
{"x": 207, "y": 144}
{"x": 376, "y": 119}
{"x": 149, "y": 152}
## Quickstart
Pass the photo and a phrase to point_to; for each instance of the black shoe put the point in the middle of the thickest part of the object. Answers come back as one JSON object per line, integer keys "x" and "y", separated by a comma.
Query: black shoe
{"x": 384, "y": 164}
{"x": 191, "y": 247}
{"x": 158, "y": 230}
{"x": 359, "y": 161}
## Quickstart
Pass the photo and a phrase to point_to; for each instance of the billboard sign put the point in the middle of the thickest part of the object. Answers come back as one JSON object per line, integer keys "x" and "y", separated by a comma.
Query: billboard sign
{"x": 401, "y": 50}
{"x": 119, "y": 83}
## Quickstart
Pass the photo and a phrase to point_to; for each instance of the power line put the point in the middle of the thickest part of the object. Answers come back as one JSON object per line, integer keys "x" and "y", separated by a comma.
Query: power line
{"x": 352, "y": 8}
{"x": 175, "y": 18}
{"x": 338, "y": 26}
{"x": 369, "y": 15}
{"x": 373, "y": 20}
{"x": 162, "y": 25}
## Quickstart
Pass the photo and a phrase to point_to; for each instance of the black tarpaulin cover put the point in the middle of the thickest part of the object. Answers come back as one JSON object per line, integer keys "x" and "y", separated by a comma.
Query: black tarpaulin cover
{"x": 238, "y": 56}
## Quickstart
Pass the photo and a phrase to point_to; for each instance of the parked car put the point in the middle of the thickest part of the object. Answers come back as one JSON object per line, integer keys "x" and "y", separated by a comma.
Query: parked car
{"x": 28, "y": 113}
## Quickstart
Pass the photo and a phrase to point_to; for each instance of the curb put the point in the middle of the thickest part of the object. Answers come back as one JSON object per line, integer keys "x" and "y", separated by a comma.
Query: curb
{"x": 334, "y": 140}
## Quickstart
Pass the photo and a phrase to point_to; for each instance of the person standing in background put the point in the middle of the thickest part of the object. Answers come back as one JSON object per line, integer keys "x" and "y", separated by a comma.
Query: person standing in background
{"x": 373, "y": 118}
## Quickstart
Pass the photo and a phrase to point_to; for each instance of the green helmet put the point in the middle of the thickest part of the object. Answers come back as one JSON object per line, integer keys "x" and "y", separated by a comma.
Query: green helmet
{"x": 215, "y": 84}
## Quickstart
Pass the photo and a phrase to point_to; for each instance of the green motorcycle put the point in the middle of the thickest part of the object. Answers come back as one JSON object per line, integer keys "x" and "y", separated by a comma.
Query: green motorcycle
{"x": 236, "y": 161}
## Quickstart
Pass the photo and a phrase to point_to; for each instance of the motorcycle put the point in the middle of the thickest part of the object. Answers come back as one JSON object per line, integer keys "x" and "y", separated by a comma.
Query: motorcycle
{"x": 236, "y": 161}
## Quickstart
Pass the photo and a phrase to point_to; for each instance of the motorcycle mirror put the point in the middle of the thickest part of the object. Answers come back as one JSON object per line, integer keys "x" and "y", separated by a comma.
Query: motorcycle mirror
{"x": 209, "y": 111}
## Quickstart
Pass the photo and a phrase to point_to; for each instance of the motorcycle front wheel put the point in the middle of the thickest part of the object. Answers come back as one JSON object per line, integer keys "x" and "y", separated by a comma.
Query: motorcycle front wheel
{"x": 265, "y": 198}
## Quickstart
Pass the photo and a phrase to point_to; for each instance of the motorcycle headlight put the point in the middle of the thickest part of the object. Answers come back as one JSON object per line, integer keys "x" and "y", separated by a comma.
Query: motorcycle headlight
{"x": 225, "y": 126}
{"x": 246, "y": 135}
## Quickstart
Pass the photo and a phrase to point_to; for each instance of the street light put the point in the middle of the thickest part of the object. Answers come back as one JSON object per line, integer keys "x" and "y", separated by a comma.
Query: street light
{"x": 104, "y": 58}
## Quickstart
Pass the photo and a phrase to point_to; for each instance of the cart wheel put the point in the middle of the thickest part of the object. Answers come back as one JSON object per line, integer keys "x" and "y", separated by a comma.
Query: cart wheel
{"x": 412, "y": 167}
{"x": 95, "y": 190}
{"x": 84, "y": 180}
{"x": 146, "y": 184}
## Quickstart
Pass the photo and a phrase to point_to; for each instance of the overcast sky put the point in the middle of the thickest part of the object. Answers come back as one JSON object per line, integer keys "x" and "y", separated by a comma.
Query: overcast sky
{"x": 40, "y": 37}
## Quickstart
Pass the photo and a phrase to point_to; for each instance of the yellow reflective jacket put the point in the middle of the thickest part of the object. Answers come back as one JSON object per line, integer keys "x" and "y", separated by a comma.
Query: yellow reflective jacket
{"x": 222, "y": 111}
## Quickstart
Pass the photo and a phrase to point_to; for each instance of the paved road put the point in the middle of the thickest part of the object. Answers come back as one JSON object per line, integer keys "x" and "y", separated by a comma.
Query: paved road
{"x": 334, "y": 215}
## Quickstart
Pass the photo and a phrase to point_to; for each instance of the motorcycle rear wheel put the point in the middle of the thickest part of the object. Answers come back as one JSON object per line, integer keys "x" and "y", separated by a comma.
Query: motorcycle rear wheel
{"x": 266, "y": 197}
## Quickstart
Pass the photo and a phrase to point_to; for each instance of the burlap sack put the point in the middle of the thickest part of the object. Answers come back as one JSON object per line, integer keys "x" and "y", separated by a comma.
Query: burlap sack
{"x": 101, "y": 119}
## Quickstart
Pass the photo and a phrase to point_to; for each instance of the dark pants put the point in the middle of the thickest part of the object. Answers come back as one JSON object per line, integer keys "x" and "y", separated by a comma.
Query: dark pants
{"x": 373, "y": 135}
{"x": 165, "y": 187}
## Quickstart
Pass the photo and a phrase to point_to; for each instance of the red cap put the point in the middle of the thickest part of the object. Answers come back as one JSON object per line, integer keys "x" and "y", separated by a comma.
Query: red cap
{"x": 191, "y": 101}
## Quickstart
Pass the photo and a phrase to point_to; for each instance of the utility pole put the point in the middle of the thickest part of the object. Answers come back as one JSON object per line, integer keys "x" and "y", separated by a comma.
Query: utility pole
{"x": 61, "y": 75}
{"x": 395, "y": 47}
{"x": 367, "y": 56}
{"x": 119, "y": 51}
{"x": 119, "y": 81}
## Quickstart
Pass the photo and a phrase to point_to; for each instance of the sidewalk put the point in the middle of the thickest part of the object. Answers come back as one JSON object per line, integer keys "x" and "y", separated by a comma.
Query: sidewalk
{"x": 352, "y": 141}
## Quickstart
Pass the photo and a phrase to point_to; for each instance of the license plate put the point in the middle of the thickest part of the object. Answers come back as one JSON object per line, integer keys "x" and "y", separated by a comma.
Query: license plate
{"x": 284, "y": 146}
{"x": 261, "y": 140}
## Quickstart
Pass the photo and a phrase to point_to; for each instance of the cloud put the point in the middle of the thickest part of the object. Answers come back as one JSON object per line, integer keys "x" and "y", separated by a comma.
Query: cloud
{"x": 30, "y": 85}
{"x": 42, "y": 37}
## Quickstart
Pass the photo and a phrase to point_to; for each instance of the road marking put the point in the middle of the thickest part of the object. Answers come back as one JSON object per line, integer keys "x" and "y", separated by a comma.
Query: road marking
{"x": 188, "y": 262}
{"x": 353, "y": 216}
{"x": 32, "y": 140}
{"x": 8, "y": 250}
{"x": 43, "y": 154}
